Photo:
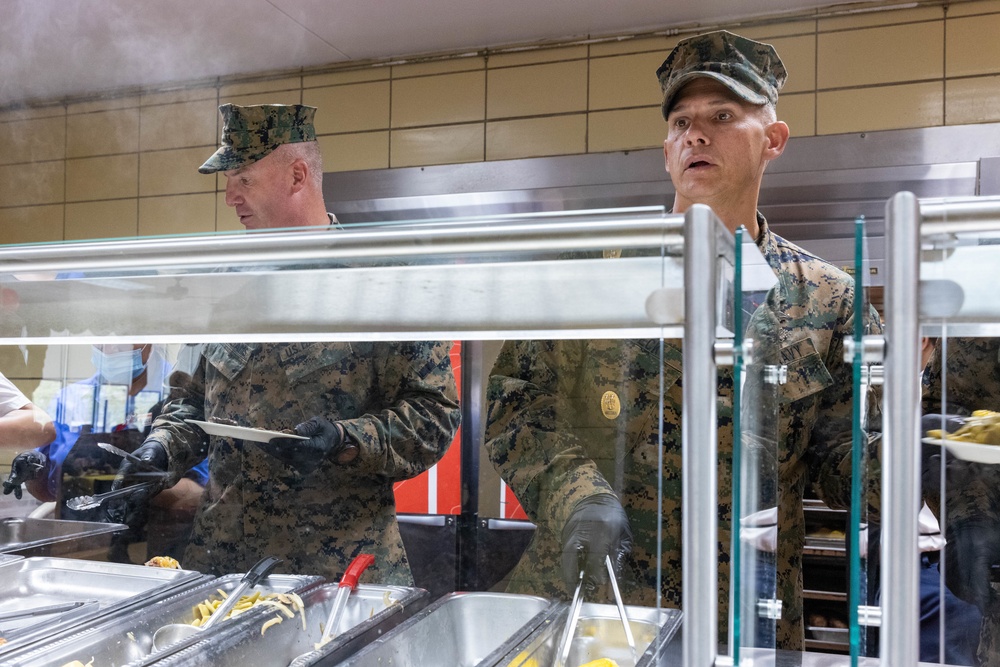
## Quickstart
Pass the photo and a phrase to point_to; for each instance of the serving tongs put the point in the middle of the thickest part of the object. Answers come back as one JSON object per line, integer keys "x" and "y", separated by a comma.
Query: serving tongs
{"x": 65, "y": 611}
{"x": 621, "y": 610}
{"x": 149, "y": 469}
{"x": 89, "y": 502}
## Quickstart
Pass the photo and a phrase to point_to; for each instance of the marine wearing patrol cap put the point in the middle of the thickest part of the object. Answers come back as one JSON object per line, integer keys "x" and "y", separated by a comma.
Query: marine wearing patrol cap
{"x": 752, "y": 70}
{"x": 250, "y": 133}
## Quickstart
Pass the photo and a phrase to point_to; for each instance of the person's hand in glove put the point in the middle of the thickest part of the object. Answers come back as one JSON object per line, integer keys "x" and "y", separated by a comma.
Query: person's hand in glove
{"x": 133, "y": 509}
{"x": 324, "y": 439}
{"x": 25, "y": 467}
{"x": 597, "y": 528}
{"x": 972, "y": 549}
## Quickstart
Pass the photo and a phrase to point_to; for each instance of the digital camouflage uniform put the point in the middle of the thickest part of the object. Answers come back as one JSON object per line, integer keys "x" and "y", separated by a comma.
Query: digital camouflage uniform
{"x": 550, "y": 441}
{"x": 802, "y": 325}
{"x": 396, "y": 401}
{"x": 973, "y": 383}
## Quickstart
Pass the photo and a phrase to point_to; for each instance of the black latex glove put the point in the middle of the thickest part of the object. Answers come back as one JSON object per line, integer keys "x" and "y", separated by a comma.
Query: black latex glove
{"x": 597, "y": 528}
{"x": 973, "y": 547}
{"x": 325, "y": 439}
{"x": 134, "y": 508}
{"x": 25, "y": 467}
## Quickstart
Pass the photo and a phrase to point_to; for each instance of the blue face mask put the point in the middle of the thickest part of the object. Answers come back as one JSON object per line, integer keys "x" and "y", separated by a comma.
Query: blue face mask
{"x": 118, "y": 367}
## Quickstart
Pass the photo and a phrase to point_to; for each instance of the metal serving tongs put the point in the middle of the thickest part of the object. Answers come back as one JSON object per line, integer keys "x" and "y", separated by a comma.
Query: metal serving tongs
{"x": 621, "y": 610}
{"x": 562, "y": 653}
{"x": 89, "y": 502}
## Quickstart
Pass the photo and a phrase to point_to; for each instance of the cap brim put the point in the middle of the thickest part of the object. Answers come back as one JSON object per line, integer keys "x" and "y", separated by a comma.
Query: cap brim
{"x": 738, "y": 89}
{"x": 226, "y": 158}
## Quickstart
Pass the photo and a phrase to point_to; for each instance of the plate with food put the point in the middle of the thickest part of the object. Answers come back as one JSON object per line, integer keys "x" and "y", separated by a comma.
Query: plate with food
{"x": 978, "y": 439}
{"x": 241, "y": 432}
{"x": 968, "y": 451}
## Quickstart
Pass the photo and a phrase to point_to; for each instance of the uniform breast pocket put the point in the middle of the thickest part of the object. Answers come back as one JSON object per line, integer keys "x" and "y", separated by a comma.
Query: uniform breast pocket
{"x": 807, "y": 373}
{"x": 321, "y": 377}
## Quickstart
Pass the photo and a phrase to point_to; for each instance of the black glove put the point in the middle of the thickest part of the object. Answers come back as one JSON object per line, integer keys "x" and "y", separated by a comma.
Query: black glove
{"x": 25, "y": 467}
{"x": 597, "y": 528}
{"x": 973, "y": 548}
{"x": 325, "y": 439}
{"x": 134, "y": 508}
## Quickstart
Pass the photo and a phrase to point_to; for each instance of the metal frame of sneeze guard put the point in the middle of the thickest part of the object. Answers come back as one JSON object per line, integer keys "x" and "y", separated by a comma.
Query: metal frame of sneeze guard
{"x": 912, "y": 226}
{"x": 384, "y": 282}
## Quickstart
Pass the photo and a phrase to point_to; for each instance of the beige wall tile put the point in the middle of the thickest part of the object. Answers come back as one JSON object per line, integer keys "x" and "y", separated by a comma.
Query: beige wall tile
{"x": 179, "y": 214}
{"x": 905, "y": 53}
{"x": 536, "y": 90}
{"x": 627, "y": 129}
{"x": 321, "y": 79}
{"x": 437, "y": 145}
{"x": 879, "y": 18}
{"x": 768, "y": 32}
{"x": 35, "y": 183}
{"x": 350, "y": 152}
{"x": 883, "y": 108}
{"x": 957, "y": 9}
{"x": 281, "y": 97}
{"x": 226, "y": 219}
{"x": 32, "y": 113}
{"x": 444, "y": 66}
{"x": 799, "y": 112}
{"x": 31, "y": 224}
{"x": 798, "y": 54}
{"x": 351, "y": 108}
{"x": 102, "y": 133}
{"x": 972, "y": 46}
{"x": 190, "y": 94}
{"x": 102, "y": 219}
{"x": 614, "y": 47}
{"x": 624, "y": 81}
{"x": 179, "y": 125}
{"x": 32, "y": 140}
{"x": 264, "y": 86}
{"x": 92, "y": 178}
{"x": 974, "y": 100}
{"x": 436, "y": 100}
{"x": 536, "y": 56}
{"x": 174, "y": 172}
{"x": 108, "y": 104}
{"x": 534, "y": 137}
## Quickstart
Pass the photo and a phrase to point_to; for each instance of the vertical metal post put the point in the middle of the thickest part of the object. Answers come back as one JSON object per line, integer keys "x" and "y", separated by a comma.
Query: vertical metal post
{"x": 901, "y": 436}
{"x": 699, "y": 558}
{"x": 472, "y": 435}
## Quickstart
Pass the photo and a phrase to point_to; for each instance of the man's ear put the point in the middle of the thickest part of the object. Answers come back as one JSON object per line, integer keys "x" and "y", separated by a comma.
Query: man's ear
{"x": 300, "y": 175}
{"x": 777, "y": 138}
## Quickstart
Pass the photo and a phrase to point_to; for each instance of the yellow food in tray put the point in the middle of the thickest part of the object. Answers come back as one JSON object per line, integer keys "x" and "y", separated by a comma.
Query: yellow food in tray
{"x": 983, "y": 428}
{"x": 601, "y": 662}
{"x": 163, "y": 561}
{"x": 286, "y": 603}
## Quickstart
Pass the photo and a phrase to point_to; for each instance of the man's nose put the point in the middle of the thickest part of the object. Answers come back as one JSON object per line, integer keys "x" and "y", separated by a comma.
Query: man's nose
{"x": 696, "y": 134}
{"x": 232, "y": 196}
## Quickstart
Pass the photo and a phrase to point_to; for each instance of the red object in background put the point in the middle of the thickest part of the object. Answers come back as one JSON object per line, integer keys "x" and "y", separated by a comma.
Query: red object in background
{"x": 511, "y": 507}
{"x": 9, "y": 300}
{"x": 415, "y": 496}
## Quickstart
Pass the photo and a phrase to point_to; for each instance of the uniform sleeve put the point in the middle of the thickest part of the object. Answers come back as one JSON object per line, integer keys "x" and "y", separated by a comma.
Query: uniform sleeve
{"x": 417, "y": 413}
{"x": 186, "y": 445}
{"x": 528, "y": 431}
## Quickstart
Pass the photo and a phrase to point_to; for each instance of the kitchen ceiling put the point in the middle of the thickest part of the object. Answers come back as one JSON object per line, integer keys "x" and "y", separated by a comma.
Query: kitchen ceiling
{"x": 58, "y": 49}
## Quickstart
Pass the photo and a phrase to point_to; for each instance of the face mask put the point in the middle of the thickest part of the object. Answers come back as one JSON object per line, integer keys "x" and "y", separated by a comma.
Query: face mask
{"x": 118, "y": 367}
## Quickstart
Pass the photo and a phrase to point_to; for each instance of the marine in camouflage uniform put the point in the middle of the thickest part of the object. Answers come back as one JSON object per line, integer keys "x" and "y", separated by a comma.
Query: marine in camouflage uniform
{"x": 973, "y": 488}
{"x": 396, "y": 401}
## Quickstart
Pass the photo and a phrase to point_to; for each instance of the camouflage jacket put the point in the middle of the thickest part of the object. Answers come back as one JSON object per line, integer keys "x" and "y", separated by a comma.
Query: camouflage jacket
{"x": 396, "y": 401}
{"x": 550, "y": 441}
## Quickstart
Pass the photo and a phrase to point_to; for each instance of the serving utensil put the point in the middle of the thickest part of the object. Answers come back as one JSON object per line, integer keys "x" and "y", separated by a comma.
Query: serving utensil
{"x": 566, "y": 641}
{"x": 43, "y": 611}
{"x": 621, "y": 609}
{"x": 175, "y": 632}
{"x": 347, "y": 584}
{"x": 129, "y": 456}
{"x": 89, "y": 502}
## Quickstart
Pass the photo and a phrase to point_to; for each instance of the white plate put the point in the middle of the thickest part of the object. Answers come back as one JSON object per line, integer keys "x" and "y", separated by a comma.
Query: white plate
{"x": 241, "y": 432}
{"x": 969, "y": 451}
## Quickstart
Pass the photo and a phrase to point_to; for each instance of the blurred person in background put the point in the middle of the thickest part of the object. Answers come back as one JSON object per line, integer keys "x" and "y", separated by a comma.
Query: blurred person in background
{"x": 22, "y": 425}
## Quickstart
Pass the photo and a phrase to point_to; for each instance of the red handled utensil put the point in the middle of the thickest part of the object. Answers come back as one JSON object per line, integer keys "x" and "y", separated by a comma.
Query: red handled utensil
{"x": 347, "y": 584}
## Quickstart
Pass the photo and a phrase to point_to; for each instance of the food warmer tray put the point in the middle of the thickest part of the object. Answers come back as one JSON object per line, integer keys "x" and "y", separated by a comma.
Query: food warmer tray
{"x": 126, "y": 637}
{"x": 458, "y": 630}
{"x": 371, "y": 611}
{"x": 113, "y": 588}
{"x": 599, "y": 634}
{"x": 26, "y": 536}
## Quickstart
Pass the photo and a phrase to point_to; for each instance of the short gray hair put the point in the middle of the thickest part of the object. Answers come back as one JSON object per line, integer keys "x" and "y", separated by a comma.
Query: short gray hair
{"x": 308, "y": 152}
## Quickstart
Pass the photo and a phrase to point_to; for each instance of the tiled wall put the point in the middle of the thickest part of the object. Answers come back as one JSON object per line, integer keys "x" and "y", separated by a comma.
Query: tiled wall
{"x": 127, "y": 166}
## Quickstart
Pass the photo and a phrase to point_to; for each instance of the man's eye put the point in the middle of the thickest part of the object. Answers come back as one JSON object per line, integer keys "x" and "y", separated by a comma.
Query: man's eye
{"x": 244, "y": 181}
{"x": 680, "y": 123}
{"x": 725, "y": 115}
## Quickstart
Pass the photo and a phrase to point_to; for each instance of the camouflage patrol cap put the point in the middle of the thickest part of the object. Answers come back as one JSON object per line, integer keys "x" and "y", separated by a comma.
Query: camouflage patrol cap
{"x": 250, "y": 133}
{"x": 752, "y": 70}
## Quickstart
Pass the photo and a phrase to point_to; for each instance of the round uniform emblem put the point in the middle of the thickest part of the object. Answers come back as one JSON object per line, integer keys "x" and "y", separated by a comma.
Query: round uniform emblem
{"x": 611, "y": 406}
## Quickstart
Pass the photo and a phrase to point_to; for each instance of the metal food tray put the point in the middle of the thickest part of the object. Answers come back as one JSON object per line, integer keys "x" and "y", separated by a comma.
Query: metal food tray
{"x": 54, "y": 537}
{"x": 458, "y": 630}
{"x": 126, "y": 638}
{"x": 26, "y": 583}
{"x": 599, "y": 634}
{"x": 371, "y": 610}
